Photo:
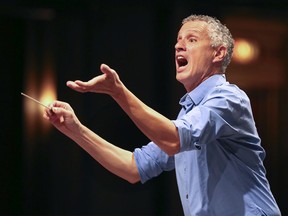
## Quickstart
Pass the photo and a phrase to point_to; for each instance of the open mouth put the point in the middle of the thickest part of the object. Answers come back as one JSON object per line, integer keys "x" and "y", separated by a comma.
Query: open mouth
{"x": 181, "y": 61}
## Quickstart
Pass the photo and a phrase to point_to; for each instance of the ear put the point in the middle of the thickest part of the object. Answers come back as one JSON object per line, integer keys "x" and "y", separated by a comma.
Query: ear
{"x": 219, "y": 54}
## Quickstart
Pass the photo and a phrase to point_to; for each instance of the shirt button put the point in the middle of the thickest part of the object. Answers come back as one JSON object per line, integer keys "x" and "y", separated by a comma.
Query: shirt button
{"x": 187, "y": 196}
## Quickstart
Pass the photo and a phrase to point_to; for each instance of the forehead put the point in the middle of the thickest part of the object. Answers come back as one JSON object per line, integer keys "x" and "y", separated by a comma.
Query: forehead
{"x": 194, "y": 27}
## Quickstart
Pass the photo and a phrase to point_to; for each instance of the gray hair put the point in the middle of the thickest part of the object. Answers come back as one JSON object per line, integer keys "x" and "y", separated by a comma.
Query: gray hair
{"x": 218, "y": 33}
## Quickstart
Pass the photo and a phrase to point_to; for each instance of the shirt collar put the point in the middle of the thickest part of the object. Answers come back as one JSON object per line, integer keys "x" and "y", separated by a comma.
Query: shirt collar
{"x": 196, "y": 95}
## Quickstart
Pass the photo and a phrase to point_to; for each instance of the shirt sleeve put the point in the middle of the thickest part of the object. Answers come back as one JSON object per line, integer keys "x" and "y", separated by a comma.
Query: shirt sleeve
{"x": 215, "y": 117}
{"x": 151, "y": 161}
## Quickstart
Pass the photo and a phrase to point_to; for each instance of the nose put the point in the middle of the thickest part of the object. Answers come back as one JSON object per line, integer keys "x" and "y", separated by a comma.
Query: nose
{"x": 179, "y": 46}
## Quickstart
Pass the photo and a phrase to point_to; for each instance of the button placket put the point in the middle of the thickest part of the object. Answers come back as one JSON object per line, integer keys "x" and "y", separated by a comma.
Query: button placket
{"x": 186, "y": 179}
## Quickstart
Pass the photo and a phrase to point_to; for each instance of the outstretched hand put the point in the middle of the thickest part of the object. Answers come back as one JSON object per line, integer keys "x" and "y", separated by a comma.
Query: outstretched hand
{"x": 106, "y": 83}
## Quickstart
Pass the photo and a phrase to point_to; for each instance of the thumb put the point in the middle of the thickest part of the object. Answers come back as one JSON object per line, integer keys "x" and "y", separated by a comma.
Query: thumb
{"x": 106, "y": 69}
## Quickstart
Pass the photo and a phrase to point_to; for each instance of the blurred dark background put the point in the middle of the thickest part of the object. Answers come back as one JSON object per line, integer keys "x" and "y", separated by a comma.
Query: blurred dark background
{"x": 45, "y": 43}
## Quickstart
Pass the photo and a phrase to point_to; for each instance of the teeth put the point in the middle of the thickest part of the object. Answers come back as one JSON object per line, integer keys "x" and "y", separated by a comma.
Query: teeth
{"x": 180, "y": 57}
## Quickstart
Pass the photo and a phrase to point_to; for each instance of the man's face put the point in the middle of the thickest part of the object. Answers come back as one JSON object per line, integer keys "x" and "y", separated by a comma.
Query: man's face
{"x": 193, "y": 54}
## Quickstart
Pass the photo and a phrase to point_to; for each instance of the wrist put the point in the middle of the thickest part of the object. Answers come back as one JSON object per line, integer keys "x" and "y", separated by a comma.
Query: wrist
{"x": 118, "y": 92}
{"x": 77, "y": 132}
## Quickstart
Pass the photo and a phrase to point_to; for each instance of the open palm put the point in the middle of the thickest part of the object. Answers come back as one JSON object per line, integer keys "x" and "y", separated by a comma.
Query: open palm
{"x": 106, "y": 83}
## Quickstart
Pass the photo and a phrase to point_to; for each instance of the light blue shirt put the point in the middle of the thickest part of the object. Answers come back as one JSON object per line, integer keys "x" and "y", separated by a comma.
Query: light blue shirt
{"x": 219, "y": 168}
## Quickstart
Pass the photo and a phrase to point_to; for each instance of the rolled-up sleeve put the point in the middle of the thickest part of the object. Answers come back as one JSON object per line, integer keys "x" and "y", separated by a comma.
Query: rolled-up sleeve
{"x": 151, "y": 161}
{"x": 204, "y": 124}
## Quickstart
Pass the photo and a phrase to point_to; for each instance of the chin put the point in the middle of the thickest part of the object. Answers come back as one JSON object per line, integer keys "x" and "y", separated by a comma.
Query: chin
{"x": 180, "y": 77}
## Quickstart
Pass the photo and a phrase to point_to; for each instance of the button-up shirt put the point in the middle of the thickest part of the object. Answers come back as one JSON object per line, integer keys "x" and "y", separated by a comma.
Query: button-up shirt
{"x": 219, "y": 168}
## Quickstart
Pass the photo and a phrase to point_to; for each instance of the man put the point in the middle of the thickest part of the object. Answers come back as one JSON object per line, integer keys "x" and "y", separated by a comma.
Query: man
{"x": 213, "y": 144}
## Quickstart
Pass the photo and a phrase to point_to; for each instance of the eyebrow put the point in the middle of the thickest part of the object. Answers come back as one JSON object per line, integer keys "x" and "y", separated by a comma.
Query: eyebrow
{"x": 190, "y": 33}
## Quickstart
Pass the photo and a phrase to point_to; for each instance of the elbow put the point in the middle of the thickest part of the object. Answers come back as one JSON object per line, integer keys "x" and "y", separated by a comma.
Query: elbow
{"x": 170, "y": 144}
{"x": 173, "y": 149}
{"x": 133, "y": 179}
{"x": 133, "y": 176}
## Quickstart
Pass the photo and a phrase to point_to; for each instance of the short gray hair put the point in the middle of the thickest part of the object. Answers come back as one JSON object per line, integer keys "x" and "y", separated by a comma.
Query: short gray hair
{"x": 218, "y": 33}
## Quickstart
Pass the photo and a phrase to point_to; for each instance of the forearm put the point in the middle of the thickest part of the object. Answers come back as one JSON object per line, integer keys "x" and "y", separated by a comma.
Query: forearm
{"x": 155, "y": 126}
{"x": 116, "y": 160}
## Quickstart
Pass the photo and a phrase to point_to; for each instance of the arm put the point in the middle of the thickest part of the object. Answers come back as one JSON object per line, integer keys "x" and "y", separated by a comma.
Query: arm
{"x": 113, "y": 158}
{"x": 155, "y": 126}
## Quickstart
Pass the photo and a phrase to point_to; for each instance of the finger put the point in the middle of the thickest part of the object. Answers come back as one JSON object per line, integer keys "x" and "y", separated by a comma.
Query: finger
{"x": 61, "y": 104}
{"x": 81, "y": 86}
{"x": 60, "y": 107}
{"x": 45, "y": 116}
{"x": 75, "y": 86}
{"x": 52, "y": 118}
{"x": 60, "y": 113}
{"x": 84, "y": 85}
{"x": 106, "y": 69}
{"x": 61, "y": 119}
{"x": 48, "y": 112}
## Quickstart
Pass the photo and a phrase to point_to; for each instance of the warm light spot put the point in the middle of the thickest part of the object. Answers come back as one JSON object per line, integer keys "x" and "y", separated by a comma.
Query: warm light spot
{"x": 48, "y": 95}
{"x": 245, "y": 51}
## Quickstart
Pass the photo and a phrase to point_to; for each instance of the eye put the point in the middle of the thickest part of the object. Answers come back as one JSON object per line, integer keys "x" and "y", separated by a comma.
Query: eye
{"x": 192, "y": 39}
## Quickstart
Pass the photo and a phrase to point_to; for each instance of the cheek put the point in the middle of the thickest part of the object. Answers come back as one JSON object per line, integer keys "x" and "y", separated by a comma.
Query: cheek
{"x": 193, "y": 64}
{"x": 199, "y": 60}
